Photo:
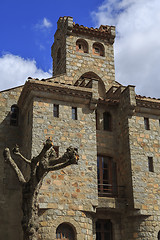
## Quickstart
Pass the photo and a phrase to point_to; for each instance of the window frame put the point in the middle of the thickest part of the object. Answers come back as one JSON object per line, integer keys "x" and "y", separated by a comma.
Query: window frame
{"x": 146, "y": 123}
{"x": 107, "y": 176}
{"x": 150, "y": 164}
{"x": 107, "y": 121}
{"x": 102, "y": 230}
{"x": 56, "y": 110}
{"x": 14, "y": 115}
{"x": 74, "y": 114}
{"x": 61, "y": 232}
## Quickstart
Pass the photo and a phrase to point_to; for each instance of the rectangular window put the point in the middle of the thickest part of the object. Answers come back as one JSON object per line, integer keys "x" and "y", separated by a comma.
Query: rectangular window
{"x": 97, "y": 120}
{"x": 104, "y": 229}
{"x": 146, "y": 123}
{"x": 150, "y": 164}
{"x": 107, "y": 176}
{"x": 74, "y": 113}
{"x": 56, "y": 110}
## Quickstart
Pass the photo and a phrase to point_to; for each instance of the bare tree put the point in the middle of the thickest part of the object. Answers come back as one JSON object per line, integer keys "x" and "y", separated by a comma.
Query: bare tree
{"x": 39, "y": 166}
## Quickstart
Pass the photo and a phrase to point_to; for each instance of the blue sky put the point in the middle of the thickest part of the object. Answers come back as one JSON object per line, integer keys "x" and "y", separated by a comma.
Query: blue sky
{"x": 28, "y": 27}
{"x": 23, "y": 33}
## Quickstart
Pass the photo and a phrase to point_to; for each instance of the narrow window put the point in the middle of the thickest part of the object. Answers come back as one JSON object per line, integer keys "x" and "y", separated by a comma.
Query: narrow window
{"x": 159, "y": 122}
{"x": 14, "y": 115}
{"x": 146, "y": 123}
{"x": 74, "y": 113}
{"x": 107, "y": 121}
{"x": 56, "y": 110}
{"x": 159, "y": 235}
{"x": 104, "y": 229}
{"x": 107, "y": 176}
{"x": 150, "y": 164}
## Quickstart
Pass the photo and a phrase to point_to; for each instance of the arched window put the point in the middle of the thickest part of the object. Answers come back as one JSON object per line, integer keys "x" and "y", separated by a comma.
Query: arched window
{"x": 159, "y": 235}
{"x": 81, "y": 46}
{"x": 65, "y": 232}
{"x": 58, "y": 55}
{"x": 103, "y": 229}
{"x": 14, "y": 115}
{"x": 98, "y": 49}
{"x": 107, "y": 121}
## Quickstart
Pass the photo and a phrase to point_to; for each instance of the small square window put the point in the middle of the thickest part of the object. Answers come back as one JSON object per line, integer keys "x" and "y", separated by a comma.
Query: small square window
{"x": 74, "y": 113}
{"x": 146, "y": 123}
{"x": 150, "y": 164}
{"x": 56, "y": 110}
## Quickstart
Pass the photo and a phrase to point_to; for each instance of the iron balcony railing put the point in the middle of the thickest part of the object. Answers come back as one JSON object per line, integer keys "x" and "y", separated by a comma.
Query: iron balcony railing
{"x": 108, "y": 190}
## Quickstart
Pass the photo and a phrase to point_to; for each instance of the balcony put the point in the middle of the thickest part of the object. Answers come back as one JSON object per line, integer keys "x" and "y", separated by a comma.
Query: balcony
{"x": 108, "y": 190}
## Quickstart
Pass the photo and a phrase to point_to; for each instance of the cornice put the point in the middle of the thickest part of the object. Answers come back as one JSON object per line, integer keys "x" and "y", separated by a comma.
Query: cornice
{"x": 61, "y": 90}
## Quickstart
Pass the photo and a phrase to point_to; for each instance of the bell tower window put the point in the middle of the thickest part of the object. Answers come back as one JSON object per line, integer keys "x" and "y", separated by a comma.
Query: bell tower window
{"x": 98, "y": 49}
{"x": 82, "y": 46}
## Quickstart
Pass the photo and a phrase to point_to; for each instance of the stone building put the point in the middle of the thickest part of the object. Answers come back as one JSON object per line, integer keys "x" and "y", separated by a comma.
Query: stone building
{"x": 114, "y": 191}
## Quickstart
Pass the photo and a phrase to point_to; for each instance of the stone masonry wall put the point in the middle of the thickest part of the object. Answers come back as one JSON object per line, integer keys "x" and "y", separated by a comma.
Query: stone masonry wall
{"x": 78, "y": 63}
{"x": 144, "y": 144}
{"x": 66, "y": 193}
{"x": 10, "y": 192}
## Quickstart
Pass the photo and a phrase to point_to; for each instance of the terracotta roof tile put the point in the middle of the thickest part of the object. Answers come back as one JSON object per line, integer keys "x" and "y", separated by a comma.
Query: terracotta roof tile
{"x": 102, "y": 32}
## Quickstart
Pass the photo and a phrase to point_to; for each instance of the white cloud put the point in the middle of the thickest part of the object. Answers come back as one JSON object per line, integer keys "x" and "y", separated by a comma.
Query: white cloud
{"x": 15, "y": 71}
{"x": 137, "y": 46}
{"x": 44, "y": 24}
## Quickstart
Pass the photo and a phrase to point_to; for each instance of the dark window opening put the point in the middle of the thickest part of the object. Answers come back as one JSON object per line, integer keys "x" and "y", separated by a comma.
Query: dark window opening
{"x": 65, "y": 232}
{"x": 159, "y": 235}
{"x": 107, "y": 176}
{"x": 150, "y": 164}
{"x": 82, "y": 46}
{"x": 98, "y": 49}
{"x": 56, "y": 110}
{"x": 104, "y": 230}
{"x": 14, "y": 115}
{"x": 107, "y": 121}
{"x": 97, "y": 120}
{"x": 74, "y": 113}
{"x": 146, "y": 123}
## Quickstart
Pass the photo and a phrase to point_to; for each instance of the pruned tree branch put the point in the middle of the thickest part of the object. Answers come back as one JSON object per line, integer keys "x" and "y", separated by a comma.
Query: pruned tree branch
{"x": 16, "y": 151}
{"x": 8, "y": 159}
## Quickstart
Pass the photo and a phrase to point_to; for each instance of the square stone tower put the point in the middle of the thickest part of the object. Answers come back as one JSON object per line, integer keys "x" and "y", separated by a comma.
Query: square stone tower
{"x": 81, "y": 52}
